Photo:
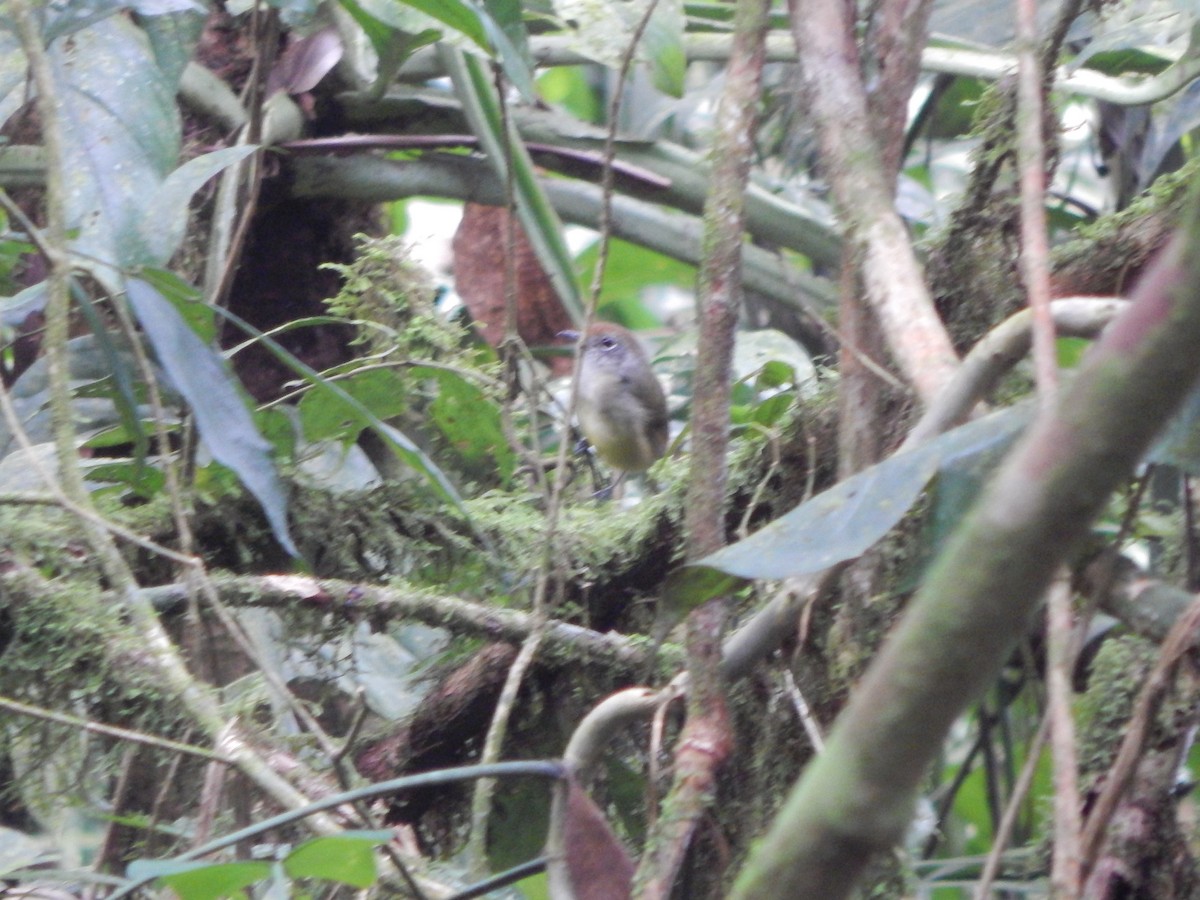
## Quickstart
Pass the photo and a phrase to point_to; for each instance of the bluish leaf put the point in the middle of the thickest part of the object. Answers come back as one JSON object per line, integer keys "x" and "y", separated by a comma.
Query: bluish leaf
{"x": 165, "y": 214}
{"x": 846, "y": 520}
{"x": 202, "y": 377}
{"x": 121, "y": 134}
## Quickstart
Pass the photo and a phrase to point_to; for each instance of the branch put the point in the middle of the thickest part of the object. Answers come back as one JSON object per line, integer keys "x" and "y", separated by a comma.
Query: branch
{"x": 864, "y": 191}
{"x": 1128, "y": 90}
{"x": 647, "y": 224}
{"x": 856, "y": 798}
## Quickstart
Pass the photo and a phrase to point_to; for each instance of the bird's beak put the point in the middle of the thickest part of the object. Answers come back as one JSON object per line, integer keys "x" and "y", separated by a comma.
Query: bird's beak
{"x": 569, "y": 335}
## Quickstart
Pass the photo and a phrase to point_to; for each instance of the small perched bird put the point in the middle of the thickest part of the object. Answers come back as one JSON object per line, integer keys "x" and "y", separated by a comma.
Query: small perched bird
{"x": 621, "y": 407}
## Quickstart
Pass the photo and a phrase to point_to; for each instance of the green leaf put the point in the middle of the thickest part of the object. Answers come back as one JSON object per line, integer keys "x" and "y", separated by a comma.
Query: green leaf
{"x": 470, "y": 421}
{"x": 186, "y": 299}
{"x": 775, "y": 373}
{"x": 400, "y": 444}
{"x": 630, "y": 270}
{"x": 198, "y": 880}
{"x": 143, "y": 480}
{"x": 771, "y": 410}
{"x": 456, "y": 14}
{"x": 846, "y": 520}
{"x": 324, "y": 414}
{"x": 211, "y": 391}
{"x": 663, "y": 46}
{"x": 348, "y": 858}
{"x": 505, "y": 26}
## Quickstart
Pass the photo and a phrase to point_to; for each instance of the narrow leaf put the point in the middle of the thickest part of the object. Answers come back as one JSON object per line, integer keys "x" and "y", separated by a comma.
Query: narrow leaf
{"x": 537, "y": 216}
{"x": 210, "y": 389}
{"x": 164, "y": 219}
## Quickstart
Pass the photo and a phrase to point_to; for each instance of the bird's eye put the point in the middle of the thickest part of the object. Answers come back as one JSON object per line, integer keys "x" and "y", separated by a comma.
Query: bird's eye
{"x": 607, "y": 343}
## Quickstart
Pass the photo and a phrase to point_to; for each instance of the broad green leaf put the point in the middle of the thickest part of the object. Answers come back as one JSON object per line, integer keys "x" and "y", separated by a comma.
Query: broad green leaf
{"x": 324, "y": 414}
{"x": 458, "y": 15}
{"x": 469, "y": 421}
{"x": 846, "y": 520}
{"x": 505, "y": 27}
{"x": 143, "y": 480}
{"x": 198, "y": 880}
{"x": 348, "y": 858}
{"x": 630, "y": 270}
{"x": 211, "y": 391}
{"x": 186, "y": 299}
{"x": 121, "y": 134}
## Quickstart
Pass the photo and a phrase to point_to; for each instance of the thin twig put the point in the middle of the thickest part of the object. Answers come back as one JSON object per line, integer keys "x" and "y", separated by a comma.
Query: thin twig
{"x": 1060, "y": 659}
{"x": 1003, "y": 831}
{"x": 1180, "y": 638}
{"x": 1031, "y": 162}
{"x": 113, "y": 731}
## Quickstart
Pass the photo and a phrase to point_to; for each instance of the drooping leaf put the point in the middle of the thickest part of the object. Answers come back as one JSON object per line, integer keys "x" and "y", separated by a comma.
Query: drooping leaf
{"x": 15, "y": 309}
{"x": 165, "y": 213}
{"x": 846, "y": 520}
{"x": 186, "y": 300}
{"x": 211, "y": 391}
{"x": 348, "y": 858}
{"x": 470, "y": 422}
{"x": 663, "y": 44}
{"x": 460, "y": 16}
{"x": 400, "y": 444}
{"x": 198, "y": 880}
{"x": 123, "y": 371}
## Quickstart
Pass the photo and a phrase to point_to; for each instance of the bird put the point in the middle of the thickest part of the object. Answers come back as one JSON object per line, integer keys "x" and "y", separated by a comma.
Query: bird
{"x": 620, "y": 404}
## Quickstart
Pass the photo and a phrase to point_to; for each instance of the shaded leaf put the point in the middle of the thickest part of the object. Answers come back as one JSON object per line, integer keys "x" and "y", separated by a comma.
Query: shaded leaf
{"x": 203, "y": 378}
{"x": 165, "y": 214}
{"x": 846, "y": 520}
{"x": 121, "y": 134}
{"x": 663, "y": 46}
{"x": 305, "y": 62}
{"x": 400, "y": 444}
{"x": 173, "y": 33}
{"x": 14, "y": 310}
{"x": 598, "y": 866}
{"x": 470, "y": 421}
